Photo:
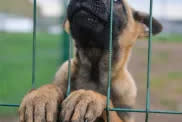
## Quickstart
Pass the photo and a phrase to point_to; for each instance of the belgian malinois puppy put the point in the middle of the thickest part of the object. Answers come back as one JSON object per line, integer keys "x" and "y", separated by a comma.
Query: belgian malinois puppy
{"x": 88, "y": 23}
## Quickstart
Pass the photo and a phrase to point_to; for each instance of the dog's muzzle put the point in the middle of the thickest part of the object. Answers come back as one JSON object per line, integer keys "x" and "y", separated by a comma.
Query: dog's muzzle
{"x": 88, "y": 14}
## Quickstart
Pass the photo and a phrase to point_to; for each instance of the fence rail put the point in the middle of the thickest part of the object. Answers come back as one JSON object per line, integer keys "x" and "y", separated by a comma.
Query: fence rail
{"x": 147, "y": 110}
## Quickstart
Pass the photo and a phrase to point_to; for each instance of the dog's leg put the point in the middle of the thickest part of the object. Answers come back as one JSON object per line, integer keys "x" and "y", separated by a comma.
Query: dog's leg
{"x": 42, "y": 104}
{"x": 124, "y": 94}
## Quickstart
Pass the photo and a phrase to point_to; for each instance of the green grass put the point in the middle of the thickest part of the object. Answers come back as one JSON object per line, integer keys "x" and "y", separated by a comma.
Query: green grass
{"x": 16, "y": 64}
{"x": 168, "y": 38}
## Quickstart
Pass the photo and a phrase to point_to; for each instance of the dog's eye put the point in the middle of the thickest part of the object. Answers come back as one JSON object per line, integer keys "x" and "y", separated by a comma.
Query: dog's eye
{"x": 117, "y": 1}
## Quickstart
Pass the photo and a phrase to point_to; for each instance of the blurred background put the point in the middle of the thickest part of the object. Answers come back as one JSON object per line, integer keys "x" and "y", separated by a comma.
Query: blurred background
{"x": 16, "y": 26}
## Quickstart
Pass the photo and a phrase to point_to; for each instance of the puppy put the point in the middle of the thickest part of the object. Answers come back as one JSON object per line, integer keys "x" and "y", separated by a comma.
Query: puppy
{"x": 88, "y": 23}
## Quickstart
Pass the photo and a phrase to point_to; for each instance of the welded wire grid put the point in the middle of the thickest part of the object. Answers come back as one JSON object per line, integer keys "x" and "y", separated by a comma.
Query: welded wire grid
{"x": 33, "y": 51}
{"x": 147, "y": 111}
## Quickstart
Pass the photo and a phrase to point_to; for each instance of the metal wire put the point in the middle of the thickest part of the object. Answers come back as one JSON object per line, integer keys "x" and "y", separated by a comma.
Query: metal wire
{"x": 34, "y": 43}
{"x": 118, "y": 109}
{"x": 147, "y": 110}
{"x": 69, "y": 67}
{"x": 109, "y": 62}
{"x": 68, "y": 38}
{"x": 149, "y": 64}
{"x": 9, "y": 105}
{"x": 33, "y": 51}
{"x": 144, "y": 111}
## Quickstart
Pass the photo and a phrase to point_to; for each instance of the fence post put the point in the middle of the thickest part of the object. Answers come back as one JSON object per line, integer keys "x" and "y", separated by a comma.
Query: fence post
{"x": 64, "y": 39}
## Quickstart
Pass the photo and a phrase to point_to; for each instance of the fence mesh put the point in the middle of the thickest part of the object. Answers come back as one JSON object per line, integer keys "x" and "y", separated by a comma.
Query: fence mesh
{"x": 147, "y": 110}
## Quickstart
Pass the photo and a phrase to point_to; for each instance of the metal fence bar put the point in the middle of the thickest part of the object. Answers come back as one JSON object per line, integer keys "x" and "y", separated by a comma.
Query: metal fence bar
{"x": 147, "y": 110}
{"x": 68, "y": 39}
{"x": 149, "y": 64}
{"x": 9, "y": 105}
{"x": 118, "y": 109}
{"x": 33, "y": 51}
{"x": 69, "y": 67}
{"x": 109, "y": 61}
{"x": 144, "y": 111}
{"x": 164, "y": 112}
{"x": 34, "y": 43}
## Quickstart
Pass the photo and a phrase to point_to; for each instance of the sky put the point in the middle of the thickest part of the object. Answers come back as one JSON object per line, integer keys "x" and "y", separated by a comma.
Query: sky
{"x": 170, "y": 9}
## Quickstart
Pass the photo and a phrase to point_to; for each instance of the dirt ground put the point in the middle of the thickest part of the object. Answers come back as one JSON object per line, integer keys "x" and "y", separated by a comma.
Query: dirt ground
{"x": 166, "y": 77}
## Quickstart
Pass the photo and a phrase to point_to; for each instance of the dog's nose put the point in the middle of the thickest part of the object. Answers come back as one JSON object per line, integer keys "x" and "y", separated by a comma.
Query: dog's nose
{"x": 96, "y": 7}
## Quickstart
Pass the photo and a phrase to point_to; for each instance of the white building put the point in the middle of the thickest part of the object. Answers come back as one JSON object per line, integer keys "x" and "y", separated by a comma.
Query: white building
{"x": 10, "y": 23}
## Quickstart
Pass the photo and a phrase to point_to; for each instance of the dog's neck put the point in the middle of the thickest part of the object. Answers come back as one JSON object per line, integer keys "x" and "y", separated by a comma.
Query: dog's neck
{"x": 92, "y": 67}
{"x": 98, "y": 58}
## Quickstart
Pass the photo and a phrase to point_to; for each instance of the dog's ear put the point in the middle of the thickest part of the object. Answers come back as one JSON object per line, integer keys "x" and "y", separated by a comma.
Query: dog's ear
{"x": 66, "y": 26}
{"x": 144, "y": 20}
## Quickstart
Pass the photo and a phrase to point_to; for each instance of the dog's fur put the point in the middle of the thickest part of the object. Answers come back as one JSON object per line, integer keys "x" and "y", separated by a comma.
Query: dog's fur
{"x": 89, "y": 69}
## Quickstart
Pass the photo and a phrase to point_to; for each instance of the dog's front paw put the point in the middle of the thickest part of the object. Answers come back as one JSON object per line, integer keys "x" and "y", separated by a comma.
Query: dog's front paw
{"x": 41, "y": 105}
{"x": 83, "y": 105}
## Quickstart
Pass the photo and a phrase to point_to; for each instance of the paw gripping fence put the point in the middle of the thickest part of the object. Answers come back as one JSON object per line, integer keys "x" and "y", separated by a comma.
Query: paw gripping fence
{"x": 147, "y": 110}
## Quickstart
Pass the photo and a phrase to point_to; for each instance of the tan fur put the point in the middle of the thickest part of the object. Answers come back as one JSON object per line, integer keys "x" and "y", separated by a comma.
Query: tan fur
{"x": 88, "y": 97}
{"x": 62, "y": 75}
{"x": 122, "y": 82}
{"x": 47, "y": 96}
{"x": 67, "y": 26}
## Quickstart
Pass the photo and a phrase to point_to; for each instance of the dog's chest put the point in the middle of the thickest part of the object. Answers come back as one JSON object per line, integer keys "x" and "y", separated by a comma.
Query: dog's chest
{"x": 92, "y": 71}
{"x": 88, "y": 78}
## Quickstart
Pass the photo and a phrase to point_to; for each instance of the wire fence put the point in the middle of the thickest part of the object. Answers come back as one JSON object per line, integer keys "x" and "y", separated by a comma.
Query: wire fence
{"x": 147, "y": 109}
